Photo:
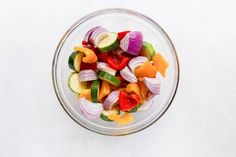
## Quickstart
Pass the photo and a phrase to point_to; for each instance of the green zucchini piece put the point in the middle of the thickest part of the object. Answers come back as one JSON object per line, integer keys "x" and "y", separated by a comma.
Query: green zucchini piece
{"x": 95, "y": 90}
{"x": 109, "y": 78}
{"x": 147, "y": 50}
{"x": 110, "y": 42}
{"x": 75, "y": 60}
{"x": 105, "y": 113}
{"x": 75, "y": 85}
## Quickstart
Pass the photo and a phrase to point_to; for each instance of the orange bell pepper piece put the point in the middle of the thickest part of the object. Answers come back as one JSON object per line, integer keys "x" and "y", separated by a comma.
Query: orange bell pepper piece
{"x": 160, "y": 63}
{"x": 90, "y": 56}
{"x": 105, "y": 90}
{"x": 133, "y": 87}
{"x": 123, "y": 119}
{"x": 146, "y": 70}
{"x": 143, "y": 90}
{"x": 86, "y": 94}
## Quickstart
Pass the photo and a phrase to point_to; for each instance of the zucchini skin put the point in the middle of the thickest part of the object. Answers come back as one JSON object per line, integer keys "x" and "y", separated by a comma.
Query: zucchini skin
{"x": 104, "y": 117}
{"x": 82, "y": 85}
{"x": 110, "y": 47}
{"x": 71, "y": 60}
{"x": 109, "y": 78}
{"x": 95, "y": 90}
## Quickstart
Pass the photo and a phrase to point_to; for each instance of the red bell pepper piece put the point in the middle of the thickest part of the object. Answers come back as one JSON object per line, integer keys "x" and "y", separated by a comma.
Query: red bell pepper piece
{"x": 84, "y": 42}
{"x": 102, "y": 57}
{"x": 89, "y": 84}
{"x": 121, "y": 35}
{"x": 87, "y": 66}
{"x": 128, "y": 101}
{"x": 124, "y": 83}
{"x": 118, "y": 61}
{"x": 120, "y": 77}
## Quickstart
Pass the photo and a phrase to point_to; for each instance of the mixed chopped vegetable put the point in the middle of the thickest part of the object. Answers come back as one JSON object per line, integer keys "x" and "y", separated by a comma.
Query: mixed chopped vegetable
{"x": 115, "y": 74}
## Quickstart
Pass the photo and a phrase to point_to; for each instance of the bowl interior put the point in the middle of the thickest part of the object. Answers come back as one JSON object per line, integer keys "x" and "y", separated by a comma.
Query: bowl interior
{"x": 115, "y": 20}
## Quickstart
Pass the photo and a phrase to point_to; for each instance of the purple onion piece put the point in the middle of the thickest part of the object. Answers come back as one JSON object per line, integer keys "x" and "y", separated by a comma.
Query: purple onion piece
{"x": 137, "y": 61}
{"x": 124, "y": 43}
{"x": 89, "y": 33}
{"x": 87, "y": 75}
{"x": 111, "y": 100}
{"x": 90, "y": 116}
{"x": 132, "y": 43}
{"x": 98, "y": 35}
{"x": 128, "y": 75}
{"x": 90, "y": 109}
{"x": 153, "y": 84}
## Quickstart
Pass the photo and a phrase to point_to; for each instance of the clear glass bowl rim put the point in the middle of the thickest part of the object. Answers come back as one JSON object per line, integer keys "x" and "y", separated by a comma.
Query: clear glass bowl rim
{"x": 74, "y": 26}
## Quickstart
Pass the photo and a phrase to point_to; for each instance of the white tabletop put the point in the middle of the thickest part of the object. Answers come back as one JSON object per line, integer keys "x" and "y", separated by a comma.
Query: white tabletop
{"x": 200, "y": 122}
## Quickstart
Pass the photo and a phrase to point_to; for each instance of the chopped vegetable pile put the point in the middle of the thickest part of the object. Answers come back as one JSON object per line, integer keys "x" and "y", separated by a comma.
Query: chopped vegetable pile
{"x": 115, "y": 74}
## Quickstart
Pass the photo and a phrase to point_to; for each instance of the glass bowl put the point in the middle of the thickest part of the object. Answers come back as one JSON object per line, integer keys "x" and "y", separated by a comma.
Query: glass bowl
{"x": 115, "y": 20}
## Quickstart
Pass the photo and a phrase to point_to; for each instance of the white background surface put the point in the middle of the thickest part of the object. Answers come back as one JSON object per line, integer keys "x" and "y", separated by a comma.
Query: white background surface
{"x": 200, "y": 122}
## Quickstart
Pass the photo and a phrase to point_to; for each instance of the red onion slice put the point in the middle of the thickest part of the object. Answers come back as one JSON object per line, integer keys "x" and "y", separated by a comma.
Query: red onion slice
{"x": 136, "y": 62}
{"x": 111, "y": 100}
{"x": 90, "y": 109}
{"x": 128, "y": 75}
{"x": 105, "y": 67}
{"x": 132, "y": 42}
{"x": 124, "y": 43}
{"x": 153, "y": 84}
{"x": 98, "y": 35}
{"x": 90, "y": 116}
{"x": 87, "y": 75}
{"x": 89, "y": 33}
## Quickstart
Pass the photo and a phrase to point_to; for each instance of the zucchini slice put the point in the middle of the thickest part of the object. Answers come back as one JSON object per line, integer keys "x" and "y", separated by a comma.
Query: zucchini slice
{"x": 105, "y": 76}
{"x": 95, "y": 90}
{"x": 105, "y": 113}
{"x": 108, "y": 43}
{"x": 75, "y": 85}
{"x": 75, "y": 60}
{"x": 147, "y": 50}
